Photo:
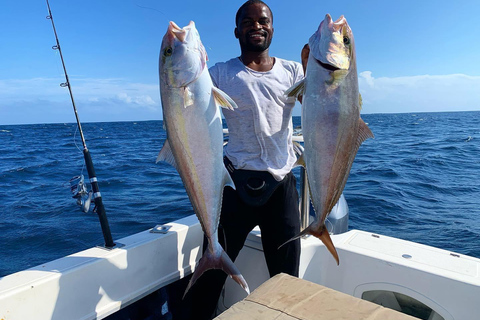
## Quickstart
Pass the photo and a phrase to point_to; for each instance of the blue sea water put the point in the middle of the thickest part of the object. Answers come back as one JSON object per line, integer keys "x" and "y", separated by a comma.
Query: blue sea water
{"x": 417, "y": 180}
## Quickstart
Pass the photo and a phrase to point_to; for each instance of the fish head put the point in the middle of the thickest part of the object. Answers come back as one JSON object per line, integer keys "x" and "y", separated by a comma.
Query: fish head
{"x": 332, "y": 45}
{"x": 182, "y": 55}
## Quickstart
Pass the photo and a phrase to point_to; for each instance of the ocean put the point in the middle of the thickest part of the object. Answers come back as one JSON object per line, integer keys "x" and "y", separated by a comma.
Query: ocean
{"x": 418, "y": 180}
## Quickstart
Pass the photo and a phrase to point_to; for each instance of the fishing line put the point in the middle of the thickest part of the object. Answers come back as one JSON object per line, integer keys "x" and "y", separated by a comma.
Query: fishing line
{"x": 75, "y": 139}
{"x": 153, "y": 9}
{"x": 148, "y": 8}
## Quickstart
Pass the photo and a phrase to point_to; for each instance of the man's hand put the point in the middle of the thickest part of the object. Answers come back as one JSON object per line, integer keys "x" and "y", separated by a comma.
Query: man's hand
{"x": 304, "y": 55}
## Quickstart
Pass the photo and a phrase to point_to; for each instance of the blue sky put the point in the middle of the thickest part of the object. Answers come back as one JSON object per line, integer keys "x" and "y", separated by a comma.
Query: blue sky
{"x": 412, "y": 56}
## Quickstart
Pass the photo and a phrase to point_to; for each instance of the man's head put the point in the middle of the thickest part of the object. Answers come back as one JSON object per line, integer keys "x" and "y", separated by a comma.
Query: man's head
{"x": 254, "y": 26}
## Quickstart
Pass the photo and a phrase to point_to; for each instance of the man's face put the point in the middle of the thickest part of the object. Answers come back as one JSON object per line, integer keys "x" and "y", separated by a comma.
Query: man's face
{"x": 255, "y": 30}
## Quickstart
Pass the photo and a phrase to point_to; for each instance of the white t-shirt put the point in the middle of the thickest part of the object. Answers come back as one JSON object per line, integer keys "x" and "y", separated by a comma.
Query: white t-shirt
{"x": 260, "y": 130}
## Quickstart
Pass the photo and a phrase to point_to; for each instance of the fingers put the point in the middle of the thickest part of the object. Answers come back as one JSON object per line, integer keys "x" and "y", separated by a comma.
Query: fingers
{"x": 304, "y": 55}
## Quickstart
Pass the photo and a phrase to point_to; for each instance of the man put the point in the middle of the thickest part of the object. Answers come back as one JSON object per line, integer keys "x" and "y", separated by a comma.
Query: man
{"x": 259, "y": 155}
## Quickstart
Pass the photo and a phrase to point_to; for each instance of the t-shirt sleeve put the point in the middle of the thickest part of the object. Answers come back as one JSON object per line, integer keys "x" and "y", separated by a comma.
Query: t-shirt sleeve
{"x": 214, "y": 74}
{"x": 298, "y": 72}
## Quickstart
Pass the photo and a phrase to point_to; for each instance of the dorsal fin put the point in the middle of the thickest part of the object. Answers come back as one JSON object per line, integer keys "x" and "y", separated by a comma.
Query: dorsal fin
{"x": 363, "y": 134}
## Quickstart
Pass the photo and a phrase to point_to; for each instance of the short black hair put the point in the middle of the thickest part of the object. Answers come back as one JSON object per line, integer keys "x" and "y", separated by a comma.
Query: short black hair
{"x": 247, "y": 4}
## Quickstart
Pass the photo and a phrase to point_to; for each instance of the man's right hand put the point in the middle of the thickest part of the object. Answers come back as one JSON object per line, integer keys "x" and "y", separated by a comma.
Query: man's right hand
{"x": 304, "y": 55}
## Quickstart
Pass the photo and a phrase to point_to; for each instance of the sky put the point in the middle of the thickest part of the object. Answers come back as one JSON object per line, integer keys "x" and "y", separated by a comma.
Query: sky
{"x": 412, "y": 55}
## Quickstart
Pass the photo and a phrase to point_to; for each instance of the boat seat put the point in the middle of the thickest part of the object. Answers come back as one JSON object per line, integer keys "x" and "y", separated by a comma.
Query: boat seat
{"x": 284, "y": 297}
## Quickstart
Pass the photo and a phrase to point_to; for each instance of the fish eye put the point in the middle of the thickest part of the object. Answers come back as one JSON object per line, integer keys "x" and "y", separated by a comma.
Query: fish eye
{"x": 346, "y": 40}
{"x": 168, "y": 51}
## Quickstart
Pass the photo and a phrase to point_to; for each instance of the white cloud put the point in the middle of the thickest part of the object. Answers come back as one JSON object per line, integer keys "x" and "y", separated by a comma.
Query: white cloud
{"x": 43, "y": 100}
{"x": 455, "y": 92}
{"x": 137, "y": 100}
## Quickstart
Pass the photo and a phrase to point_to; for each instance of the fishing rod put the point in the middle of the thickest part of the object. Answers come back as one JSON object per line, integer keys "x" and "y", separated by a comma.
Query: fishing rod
{"x": 99, "y": 208}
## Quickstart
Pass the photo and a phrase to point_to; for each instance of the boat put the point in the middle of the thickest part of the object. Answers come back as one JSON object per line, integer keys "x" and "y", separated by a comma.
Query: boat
{"x": 144, "y": 275}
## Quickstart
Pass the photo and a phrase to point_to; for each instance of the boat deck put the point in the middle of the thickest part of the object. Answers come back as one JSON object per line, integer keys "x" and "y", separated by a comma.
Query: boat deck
{"x": 289, "y": 298}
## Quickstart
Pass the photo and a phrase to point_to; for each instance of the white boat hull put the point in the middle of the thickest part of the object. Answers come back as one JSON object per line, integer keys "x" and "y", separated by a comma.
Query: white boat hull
{"x": 95, "y": 283}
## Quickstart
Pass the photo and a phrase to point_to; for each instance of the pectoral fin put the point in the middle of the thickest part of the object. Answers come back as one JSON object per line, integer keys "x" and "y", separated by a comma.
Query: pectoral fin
{"x": 222, "y": 99}
{"x": 187, "y": 97}
{"x": 296, "y": 90}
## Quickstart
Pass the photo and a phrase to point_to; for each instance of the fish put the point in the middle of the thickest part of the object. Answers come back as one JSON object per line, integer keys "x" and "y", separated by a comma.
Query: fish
{"x": 331, "y": 124}
{"x": 194, "y": 144}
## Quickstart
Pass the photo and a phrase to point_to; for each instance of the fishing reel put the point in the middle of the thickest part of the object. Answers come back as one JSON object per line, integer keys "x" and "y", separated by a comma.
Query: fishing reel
{"x": 80, "y": 193}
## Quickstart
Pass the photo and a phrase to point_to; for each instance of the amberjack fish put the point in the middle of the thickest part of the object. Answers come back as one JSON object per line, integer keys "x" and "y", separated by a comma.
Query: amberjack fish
{"x": 194, "y": 144}
{"x": 332, "y": 128}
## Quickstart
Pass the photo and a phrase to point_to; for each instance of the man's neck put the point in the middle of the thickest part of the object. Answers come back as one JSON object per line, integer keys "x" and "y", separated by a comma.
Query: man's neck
{"x": 258, "y": 61}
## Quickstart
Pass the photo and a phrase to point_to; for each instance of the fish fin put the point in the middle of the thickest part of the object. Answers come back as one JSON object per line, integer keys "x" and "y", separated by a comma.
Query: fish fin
{"x": 299, "y": 149}
{"x": 187, "y": 97}
{"x": 364, "y": 132}
{"x": 229, "y": 267}
{"x": 166, "y": 155}
{"x": 301, "y": 234}
{"x": 360, "y": 101}
{"x": 208, "y": 261}
{"x": 228, "y": 180}
{"x": 322, "y": 234}
{"x": 300, "y": 161}
{"x": 222, "y": 99}
{"x": 327, "y": 241}
{"x": 296, "y": 90}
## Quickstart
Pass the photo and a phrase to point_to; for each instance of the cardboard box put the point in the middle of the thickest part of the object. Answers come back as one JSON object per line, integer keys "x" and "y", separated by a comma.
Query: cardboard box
{"x": 284, "y": 297}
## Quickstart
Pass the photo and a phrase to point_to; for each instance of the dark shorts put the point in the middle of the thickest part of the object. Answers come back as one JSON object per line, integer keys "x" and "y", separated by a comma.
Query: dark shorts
{"x": 278, "y": 219}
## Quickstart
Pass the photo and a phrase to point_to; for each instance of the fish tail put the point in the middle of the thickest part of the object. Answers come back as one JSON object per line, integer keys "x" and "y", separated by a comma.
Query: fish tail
{"x": 223, "y": 262}
{"x": 301, "y": 234}
{"x": 227, "y": 265}
{"x": 322, "y": 234}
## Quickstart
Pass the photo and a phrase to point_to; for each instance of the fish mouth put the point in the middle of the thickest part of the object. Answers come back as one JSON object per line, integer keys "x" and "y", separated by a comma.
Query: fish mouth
{"x": 180, "y": 33}
{"x": 327, "y": 66}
